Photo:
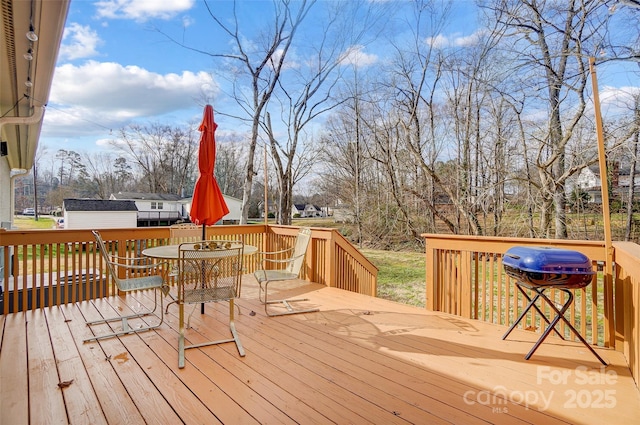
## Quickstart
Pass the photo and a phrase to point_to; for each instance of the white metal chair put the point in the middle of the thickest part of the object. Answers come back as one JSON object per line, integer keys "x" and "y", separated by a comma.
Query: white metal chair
{"x": 285, "y": 269}
{"x": 209, "y": 271}
{"x": 146, "y": 281}
{"x": 181, "y": 233}
{"x": 184, "y": 232}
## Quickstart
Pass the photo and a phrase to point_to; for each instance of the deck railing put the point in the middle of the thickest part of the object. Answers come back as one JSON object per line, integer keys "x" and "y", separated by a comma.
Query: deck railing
{"x": 626, "y": 298}
{"x": 464, "y": 276}
{"x": 42, "y": 268}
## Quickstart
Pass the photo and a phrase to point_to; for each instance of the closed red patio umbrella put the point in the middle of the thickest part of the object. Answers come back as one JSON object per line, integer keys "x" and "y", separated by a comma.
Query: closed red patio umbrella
{"x": 208, "y": 205}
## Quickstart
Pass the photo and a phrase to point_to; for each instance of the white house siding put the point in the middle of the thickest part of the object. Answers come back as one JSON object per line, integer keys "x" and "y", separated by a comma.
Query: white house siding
{"x": 587, "y": 179}
{"x": 100, "y": 219}
{"x": 166, "y": 205}
{"x": 234, "y": 205}
{"x": 235, "y": 208}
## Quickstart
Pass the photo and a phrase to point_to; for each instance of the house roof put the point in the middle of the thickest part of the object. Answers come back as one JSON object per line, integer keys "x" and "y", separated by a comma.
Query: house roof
{"x": 139, "y": 196}
{"x": 21, "y": 108}
{"x": 302, "y": 207}
{"x": 98, "y": 205}
{"x": 622, "y": 170}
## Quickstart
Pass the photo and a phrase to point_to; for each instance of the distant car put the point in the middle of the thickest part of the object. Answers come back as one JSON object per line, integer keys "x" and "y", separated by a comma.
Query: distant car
{"x": 29, "y": 211}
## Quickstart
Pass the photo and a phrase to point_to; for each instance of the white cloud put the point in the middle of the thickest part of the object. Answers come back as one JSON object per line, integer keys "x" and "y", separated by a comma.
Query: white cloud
{"x": 618, "y": 100}
{"x": 355, "y": 55}
{"x": 79, "y": 41}
{"x": 142, "y": 10}
{"x": 441, "y": 41}
{"x": 467, "y": 41}
{"x": 106, "y": 95}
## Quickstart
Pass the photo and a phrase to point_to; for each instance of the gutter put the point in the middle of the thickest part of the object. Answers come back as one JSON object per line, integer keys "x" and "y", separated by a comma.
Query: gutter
{"x": 38, "y": 114}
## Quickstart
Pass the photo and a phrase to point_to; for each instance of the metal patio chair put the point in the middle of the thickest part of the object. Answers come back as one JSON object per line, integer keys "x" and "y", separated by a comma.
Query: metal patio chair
{"x": 209, "y": 271}
{"x": 184, "y": 232}
{"x": 285, "y": 269}
{"x": 181, "y": 233}
{"x": 132, "y": 265}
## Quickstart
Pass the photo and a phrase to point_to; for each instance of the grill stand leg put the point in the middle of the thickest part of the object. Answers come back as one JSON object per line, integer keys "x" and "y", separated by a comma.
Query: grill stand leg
{"x": 559, "y": 316}
{"x": 532, "y": 303}
{"x": 550, "y": 325}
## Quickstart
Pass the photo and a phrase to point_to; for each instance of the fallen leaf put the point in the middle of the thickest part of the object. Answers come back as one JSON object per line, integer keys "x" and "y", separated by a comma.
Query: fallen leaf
{"x": 64, "y": 384}
{"x": 122, "y": 357}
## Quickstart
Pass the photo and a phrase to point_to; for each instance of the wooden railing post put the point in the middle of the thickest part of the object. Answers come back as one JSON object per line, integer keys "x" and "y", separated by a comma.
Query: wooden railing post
{"x": 329, "y": 268}
{"x": 465, "y": 289}
{"x": 431, "y": 281}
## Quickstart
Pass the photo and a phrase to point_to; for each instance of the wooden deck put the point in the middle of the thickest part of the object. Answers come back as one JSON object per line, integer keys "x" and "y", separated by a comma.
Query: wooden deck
{"x": 358, "y": 360}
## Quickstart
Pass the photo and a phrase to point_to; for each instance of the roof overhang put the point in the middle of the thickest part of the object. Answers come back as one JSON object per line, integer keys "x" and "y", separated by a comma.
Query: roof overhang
{"x": 22, "y": 107}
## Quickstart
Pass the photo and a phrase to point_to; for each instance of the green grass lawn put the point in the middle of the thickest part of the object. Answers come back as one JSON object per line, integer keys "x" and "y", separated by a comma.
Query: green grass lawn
{"x": 401, "y": 275}
{"x": 26, "y": 223}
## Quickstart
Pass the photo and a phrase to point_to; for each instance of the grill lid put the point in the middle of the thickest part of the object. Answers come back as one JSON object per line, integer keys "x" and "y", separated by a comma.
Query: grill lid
{"x": 547, "y": 260}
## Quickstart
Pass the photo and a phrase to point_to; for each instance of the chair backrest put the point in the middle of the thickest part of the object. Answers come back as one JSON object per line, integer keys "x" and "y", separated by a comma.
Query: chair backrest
{"x": 299, "y": 250}
{"x": 184, "y": 232}
{"x": 107, "y": 257}
{"x": 209, "y": 270}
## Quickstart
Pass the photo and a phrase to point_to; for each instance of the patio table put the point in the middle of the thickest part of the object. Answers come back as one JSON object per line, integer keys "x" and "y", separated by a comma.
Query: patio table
{"x": 172, "y": 252}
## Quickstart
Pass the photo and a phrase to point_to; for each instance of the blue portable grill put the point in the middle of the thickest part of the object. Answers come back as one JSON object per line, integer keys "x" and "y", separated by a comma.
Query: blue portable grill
{"x": 540, "y": 269}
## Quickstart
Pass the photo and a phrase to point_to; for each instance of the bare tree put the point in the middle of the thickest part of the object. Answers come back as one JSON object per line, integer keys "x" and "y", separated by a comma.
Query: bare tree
{"x": 230, "y": 158}
{"x": 309, "y": 90}
{"x": 164, "y": 156}
{"x": 108, "y": 173}
{"x": 258, "y": 63}
{"x": 552, "y": 41}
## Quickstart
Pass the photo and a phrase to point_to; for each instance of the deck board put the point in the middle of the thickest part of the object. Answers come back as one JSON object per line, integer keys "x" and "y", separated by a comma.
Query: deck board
{"x": 43, "y": 373}
{"x": 71, "y": 370}
{"x": 108, "y": 388}
{"x": 358, "y": 360}
{"x": 14, "y": 390}
{"x": 153, "y": 407}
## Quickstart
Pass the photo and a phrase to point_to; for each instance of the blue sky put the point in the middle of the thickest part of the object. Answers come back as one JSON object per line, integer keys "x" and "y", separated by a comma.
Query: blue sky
{"x": 115, "y": 66}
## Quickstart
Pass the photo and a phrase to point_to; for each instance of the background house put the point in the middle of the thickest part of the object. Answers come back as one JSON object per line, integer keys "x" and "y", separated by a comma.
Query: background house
{"x": 234, "y": 205}
{"x": 589, "y": 181}
{"x": 306, "y": 210}
{"x": 155, "y": 209}
{"x": 99, "y": 213}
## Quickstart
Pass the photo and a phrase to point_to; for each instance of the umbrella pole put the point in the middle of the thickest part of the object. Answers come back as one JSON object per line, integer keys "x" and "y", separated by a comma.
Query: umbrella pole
{"x": 204, "y": 238}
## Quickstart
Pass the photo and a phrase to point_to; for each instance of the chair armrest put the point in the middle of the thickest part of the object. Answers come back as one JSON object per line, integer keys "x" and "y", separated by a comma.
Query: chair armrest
{"x": 286, "y": 260}
{"x": 129, "y": 259}
{"x": 162, "y": 268}
{"x": 274, "y": 252}
{"x": 140, "y": 266}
